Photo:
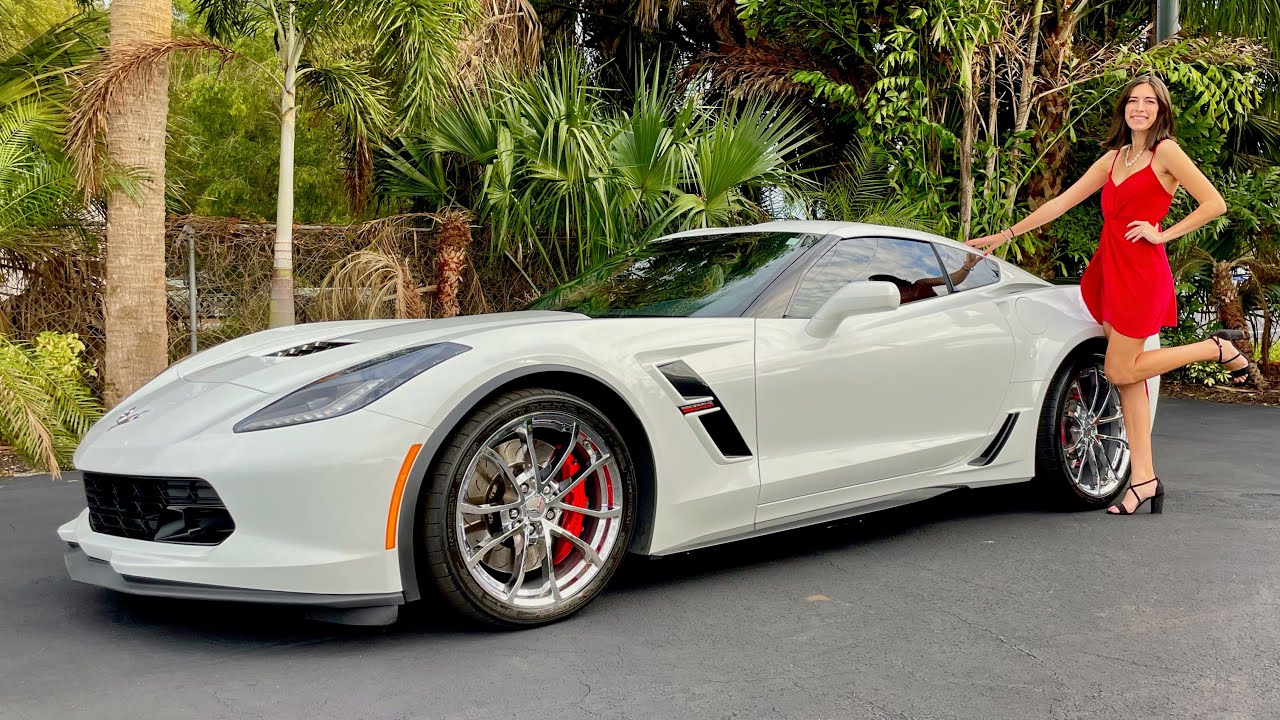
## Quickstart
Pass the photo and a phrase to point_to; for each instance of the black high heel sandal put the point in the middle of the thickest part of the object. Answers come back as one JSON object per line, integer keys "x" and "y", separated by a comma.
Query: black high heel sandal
{"x": 1238, "y": 377}
{"x": 1157, "y": 500}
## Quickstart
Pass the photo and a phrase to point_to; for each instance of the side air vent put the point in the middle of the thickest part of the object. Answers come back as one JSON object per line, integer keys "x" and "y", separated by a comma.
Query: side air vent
{"x": 997, "y": 443}
{"x": 702, "y": 403}
{"x": 308, "y": 349}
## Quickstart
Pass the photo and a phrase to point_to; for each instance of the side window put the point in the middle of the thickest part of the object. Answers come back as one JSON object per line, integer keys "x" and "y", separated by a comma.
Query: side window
{"x": 842, "y": 264}
{"x": 968, "y": 270}
{"x": 909, "y": 264}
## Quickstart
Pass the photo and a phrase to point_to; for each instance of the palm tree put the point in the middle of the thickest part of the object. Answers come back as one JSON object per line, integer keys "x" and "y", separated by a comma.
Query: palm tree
{"x": 134, "y": 299}
{"x": 348, "y": 53}
{"x": 413, "y": 39}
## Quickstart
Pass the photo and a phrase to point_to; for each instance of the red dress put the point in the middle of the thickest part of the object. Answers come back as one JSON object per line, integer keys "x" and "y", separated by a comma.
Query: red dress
{"x": 1129, "y": 284}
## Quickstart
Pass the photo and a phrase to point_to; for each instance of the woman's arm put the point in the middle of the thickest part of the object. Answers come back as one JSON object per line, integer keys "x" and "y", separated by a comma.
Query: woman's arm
{"x": 1184, "y": 169}
{"x": 1089, "y": 183}
{"x": 958, "y": 276}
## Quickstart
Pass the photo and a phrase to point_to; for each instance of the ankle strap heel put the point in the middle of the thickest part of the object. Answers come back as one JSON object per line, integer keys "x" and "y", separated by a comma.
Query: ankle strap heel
{"x": 1157, "y": 500}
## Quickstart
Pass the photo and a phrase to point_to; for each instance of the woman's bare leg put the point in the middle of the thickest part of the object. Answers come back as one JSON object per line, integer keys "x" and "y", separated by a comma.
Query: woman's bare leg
{"x": 1135, "y": 366}
{"x": 1124, "y": 351}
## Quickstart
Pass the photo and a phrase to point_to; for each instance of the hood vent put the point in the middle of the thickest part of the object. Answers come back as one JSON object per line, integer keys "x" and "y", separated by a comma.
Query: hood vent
{"x": 308, "y": 349}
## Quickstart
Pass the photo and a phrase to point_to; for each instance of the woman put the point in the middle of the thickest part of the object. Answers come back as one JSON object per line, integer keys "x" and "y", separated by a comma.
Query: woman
{"x": 1128, "y": 286}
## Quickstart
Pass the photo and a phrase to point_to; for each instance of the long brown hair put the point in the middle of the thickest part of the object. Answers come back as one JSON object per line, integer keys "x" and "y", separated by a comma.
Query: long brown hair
{"x": 1162, "y": 129}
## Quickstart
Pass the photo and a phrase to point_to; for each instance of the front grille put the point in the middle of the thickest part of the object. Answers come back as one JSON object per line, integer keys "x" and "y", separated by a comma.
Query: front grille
{"x": 173, "y": 510}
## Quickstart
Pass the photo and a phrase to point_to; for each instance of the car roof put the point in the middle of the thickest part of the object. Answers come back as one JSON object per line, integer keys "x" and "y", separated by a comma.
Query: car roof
{"x": 844, "y": 229}
{"x": 823, "y": 227}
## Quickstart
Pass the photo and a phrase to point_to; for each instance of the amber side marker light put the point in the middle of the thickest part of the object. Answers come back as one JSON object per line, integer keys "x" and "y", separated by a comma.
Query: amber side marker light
{"x": 393, "y": 513}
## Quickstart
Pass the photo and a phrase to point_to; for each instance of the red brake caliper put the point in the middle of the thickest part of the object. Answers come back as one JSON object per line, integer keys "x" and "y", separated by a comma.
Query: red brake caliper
{"x": 571, "y": 521}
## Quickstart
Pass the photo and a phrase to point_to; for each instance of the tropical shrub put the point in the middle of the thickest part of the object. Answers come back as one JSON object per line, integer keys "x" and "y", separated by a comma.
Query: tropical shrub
{"x": 554, "y": 173}
{"x": 46, "y": 405}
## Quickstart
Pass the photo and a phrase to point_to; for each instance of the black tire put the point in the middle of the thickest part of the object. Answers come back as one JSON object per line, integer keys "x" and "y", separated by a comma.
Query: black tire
{"x": 445, "y": 567}
{"x": 1053, "y": 474}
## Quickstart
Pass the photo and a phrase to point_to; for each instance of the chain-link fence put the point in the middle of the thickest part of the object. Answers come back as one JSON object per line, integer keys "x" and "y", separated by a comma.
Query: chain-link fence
{"x": 382, "y": 268}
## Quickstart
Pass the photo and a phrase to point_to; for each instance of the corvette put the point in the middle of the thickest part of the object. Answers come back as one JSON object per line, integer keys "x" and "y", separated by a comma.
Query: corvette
{"x": 711, "y": 386}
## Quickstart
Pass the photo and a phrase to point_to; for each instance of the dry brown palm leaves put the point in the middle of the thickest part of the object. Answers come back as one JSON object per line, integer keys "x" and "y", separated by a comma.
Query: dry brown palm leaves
{"x": 648, "y": 13}
{"x": 507, "y": 37}
{"x": 100, "y": 95}
{"x": 365, "y": 283}
{"x": 762, "y": 68}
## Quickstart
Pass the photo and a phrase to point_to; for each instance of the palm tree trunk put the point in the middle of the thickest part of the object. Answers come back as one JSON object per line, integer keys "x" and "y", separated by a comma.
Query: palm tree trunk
{"x": 282, "y": 310}
{"x": 1226, "y": 296}
{"x": 1024, "y": 93}
{"x": 1049, "y": 143}
{"x": 137, "y": 334}
{"x": 451, "y": 258}
{"x": 993, "y": 121}
{"x": 970, "y": 110}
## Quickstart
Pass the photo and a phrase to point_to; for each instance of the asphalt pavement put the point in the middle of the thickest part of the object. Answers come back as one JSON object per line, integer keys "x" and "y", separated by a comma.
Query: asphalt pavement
{"x": 976, "y": 605}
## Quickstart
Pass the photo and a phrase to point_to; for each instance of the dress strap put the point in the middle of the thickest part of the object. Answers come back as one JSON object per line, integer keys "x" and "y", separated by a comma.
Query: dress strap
{"x": 1113, "y": 162}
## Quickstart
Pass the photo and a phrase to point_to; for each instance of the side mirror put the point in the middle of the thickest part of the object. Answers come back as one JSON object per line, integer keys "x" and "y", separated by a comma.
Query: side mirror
{"x": 856, "y": 298}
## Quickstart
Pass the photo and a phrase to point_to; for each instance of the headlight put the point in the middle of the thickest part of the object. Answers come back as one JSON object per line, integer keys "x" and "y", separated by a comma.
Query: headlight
{"x": 351, "y": 389}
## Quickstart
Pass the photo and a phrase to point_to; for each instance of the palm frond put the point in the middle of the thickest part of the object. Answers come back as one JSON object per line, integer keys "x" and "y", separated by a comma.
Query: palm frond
{"x": 361, "y": 103}
{"x": 417, "y": 44}
{"x": 1256, "y": 19}
{"x": 763, "y": 68}
{"x": 45, "y": 407}
{"x": 752, "y": 146}
{"x": 408, "y": 168}
{"x": 226, "y": 19}
{"x": 37, "y": 190}
{"x": 649, "y": 13}
{"x": 369, "y": 283}
{"x": 101, "y": 94}
{"x": 506, "y": 38}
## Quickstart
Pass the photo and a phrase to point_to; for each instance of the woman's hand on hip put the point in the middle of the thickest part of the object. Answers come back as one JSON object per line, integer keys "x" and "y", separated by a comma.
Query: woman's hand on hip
{"x": 1143, "y": 230}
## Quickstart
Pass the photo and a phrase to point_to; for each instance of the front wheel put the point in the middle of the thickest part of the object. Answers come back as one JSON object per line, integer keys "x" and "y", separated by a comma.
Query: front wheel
{"x": 1082, "y": 449}
{"x": 530, "y": 509}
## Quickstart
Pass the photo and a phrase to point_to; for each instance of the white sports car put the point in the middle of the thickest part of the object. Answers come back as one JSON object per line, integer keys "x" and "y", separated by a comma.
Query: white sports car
{"x": 712, "y": 386}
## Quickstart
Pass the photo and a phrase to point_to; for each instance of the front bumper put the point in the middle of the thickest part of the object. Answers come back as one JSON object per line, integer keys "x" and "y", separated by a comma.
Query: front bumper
{"x": 310, "y": 505}
{"x": 369, "y": 609}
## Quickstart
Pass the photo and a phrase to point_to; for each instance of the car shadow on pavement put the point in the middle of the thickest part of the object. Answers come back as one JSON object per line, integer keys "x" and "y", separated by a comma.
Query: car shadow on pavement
{"x": 882, "y": 525}
{"x": 284, "y": 626}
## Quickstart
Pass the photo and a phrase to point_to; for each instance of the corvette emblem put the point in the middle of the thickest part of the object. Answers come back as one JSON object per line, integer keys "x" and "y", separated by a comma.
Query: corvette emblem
{"x": 129, "y": 416}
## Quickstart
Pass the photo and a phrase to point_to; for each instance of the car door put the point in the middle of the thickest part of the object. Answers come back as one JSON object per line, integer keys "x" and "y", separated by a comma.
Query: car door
{"x": 890, "y": 394}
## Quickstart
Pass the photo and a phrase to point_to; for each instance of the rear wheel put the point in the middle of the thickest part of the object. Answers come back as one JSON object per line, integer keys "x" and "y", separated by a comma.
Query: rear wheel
{"x": 1082, "y": 450}
{"x": 530, "y": 509}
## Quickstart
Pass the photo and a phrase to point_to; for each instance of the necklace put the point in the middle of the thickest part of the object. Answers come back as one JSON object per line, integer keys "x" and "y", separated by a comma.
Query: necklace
{"x": 1128, "y": 162}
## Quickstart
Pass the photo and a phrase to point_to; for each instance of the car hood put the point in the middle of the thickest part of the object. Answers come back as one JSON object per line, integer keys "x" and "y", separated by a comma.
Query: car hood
{"x": 282, "y": 360}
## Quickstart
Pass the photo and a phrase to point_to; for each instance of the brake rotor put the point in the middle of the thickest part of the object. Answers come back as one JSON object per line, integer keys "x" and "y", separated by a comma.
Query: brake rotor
{"x": 489, "y": 485}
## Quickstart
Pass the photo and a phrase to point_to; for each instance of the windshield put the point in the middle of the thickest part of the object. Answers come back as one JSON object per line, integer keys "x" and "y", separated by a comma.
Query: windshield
{"x": 704, "y": 276}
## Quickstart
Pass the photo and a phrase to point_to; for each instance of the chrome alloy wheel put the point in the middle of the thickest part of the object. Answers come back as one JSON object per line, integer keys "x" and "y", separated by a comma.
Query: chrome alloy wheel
{"x": 540, "y": 510}
{"x": 1093, "y": 442}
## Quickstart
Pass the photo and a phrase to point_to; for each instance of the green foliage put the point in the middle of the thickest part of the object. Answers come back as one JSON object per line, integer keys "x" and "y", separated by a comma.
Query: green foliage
{"x": 897, "y": 74}
{"x": 1205, "y": 373}
{"x": 46, "y": 405}
{"x": 223, "y": 154}
{"x": 38, "y": 197}
{"x": 553, "y": 171}
{"x": 24, "y": 20}
{"x": 37, "y": 189}
{"x": 860, "y": 191}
